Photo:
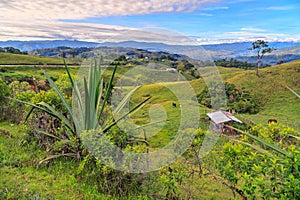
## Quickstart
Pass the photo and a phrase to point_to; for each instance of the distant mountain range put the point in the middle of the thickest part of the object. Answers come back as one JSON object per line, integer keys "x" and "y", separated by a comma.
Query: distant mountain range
{"x": 286, "y": 51}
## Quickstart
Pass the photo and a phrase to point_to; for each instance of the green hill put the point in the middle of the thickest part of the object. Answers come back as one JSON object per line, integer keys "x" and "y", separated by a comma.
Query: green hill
{"x": 17, "y": 59}
{"x": 278, "y": 102}
{"x": 60, "y": 179}
{"x": 275, "y": 99}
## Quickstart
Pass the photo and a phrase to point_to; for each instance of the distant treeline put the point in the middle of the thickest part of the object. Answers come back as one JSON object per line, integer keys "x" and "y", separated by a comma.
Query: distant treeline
{"x": 12, "y": 50}
{"x": 234, "y": 63}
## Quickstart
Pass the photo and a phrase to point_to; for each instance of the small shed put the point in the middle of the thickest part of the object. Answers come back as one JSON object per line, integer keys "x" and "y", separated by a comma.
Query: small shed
{"x": 219, "y": 118}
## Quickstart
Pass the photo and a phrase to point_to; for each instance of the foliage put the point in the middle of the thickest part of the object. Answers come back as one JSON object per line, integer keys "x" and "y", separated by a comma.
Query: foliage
{"x": 189, "y": 178}
{"x": 4, "y": 92}
{"x": 240, "y": 100}
{"x": 12, "y": 50}
{"x": 234, "y": 63}
{"x": 187, "y": 69}
{"x": 261, "y": 47}
{"x": 19, "y": 59}
{"x": 259, "y": 171}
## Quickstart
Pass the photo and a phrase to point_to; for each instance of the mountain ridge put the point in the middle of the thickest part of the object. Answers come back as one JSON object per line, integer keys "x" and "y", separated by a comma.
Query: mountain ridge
{"x": 286, "y": 51}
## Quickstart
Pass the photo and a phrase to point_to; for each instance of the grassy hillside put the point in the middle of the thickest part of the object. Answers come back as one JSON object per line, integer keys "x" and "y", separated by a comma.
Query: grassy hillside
{"x": 19, "y": 72}
{"x": 278, "y": 102}
{"x": 22, "y": 178}
{"x": 16, "y": 59}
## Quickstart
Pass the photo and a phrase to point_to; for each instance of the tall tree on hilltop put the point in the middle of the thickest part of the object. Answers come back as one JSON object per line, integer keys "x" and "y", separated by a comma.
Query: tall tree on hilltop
{"x": 261, "y": 47}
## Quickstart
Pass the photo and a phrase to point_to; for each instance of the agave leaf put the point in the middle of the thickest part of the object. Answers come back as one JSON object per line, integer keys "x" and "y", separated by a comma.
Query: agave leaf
{"x": 87, "y": 105}
{"x": 63, "y": 100}
{"x": 125, "y": 100}
{"x": 107, "y": 92}
{"x": 263, "y": 142}
{"x": 293, "y": 136}
{"x": 125, "y": 115}
{"x": 57, "y": 156}
{"x": 58, "y": 115}
{"x": 29, "y": 113}
{"x": 142, "y": 105}
{"x": 48, "y": 134}
{"x": 74, "y": 86}
{"x": 295, "y": 93}
{"x": 78, "y": 100}
{"x": 47, "y": 109}
{"x": 257, "y": 148}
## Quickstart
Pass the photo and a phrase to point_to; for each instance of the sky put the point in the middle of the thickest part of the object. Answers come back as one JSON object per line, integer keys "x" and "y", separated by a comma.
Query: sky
{"x": 170, "y": 21}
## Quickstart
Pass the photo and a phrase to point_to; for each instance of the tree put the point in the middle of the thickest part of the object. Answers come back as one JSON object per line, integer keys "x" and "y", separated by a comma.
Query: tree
{"x": 12, "y": 50}
{"x": 261, "y": 47}
{"x": 63, "y": 54}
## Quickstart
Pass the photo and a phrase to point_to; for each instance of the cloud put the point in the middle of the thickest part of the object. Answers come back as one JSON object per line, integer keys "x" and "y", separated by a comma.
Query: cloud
{"x": 44, "y": 19}
{"x": 216, "y": 8}
{"x": 56, "y": 30}
{"x": 86, "y": 32}
{"x": 252, "y": 29}
{"x": 206, "y": 14}
{"x": 283, "y": 8}
{"x": 245, "y": 36}
{"x": 79, "y": 9}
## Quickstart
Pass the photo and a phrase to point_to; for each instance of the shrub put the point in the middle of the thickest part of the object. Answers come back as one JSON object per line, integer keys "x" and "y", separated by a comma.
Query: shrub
{"x": 263, "y": 168}
{"x": 241, "y": 100}
{"x": 4, "y": 92}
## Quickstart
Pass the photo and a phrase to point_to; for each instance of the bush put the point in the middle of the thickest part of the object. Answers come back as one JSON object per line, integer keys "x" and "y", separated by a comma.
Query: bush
{"x": 259, "y": 172}
{"x": 4, "y": 92}
{"x": 241, "y": 100}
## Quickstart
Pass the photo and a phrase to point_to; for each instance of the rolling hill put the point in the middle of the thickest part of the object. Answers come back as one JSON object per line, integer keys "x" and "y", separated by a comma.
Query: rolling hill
{"x": 17, "y": 59}
{"x": 286, "y": 51}
{"x": 270, "y": 89}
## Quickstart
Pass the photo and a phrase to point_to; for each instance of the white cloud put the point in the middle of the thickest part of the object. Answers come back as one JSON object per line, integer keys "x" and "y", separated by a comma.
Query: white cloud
{"x": 206, "y": 14}
{"x": 42, "y": 19}
{"x": 252, "y": 29}
{"x": 86, "y": 32}
{"x": 216, "y": 8}
{"x": 79, "y": 9}
{"x": 245, "y": 36}
{"x": 285, "y": 7}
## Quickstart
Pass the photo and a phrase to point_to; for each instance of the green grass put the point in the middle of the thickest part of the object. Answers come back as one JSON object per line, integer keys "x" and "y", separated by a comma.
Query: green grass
{"x": 19, "y": 72}
{"x": 21, "y": 178}
{"x": 278, "y": 102}
{"x": 163, "y": 96}
{"x": 17, "y": 59}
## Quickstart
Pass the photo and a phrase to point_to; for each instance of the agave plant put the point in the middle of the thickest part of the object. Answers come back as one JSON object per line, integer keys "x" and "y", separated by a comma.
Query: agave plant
{"x": 90, "y": 99}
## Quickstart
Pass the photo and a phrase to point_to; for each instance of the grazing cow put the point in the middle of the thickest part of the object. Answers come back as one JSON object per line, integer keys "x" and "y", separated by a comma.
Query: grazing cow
{"x": 174, "y": 104}
{"x": 272, "y": 121}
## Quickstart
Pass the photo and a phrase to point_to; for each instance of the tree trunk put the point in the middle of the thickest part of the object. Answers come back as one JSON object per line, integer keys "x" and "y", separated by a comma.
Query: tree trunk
{"x": 258, "y": 66}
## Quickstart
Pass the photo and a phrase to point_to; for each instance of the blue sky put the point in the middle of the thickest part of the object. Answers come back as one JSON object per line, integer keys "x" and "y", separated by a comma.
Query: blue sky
{"x": 273, "y": 15}
{"x": 209, "y": 21}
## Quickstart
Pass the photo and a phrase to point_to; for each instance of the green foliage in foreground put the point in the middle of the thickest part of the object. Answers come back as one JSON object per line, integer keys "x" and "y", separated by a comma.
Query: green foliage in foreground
{"x": 4, "y": 92}
{"x": 264, "y": 164}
